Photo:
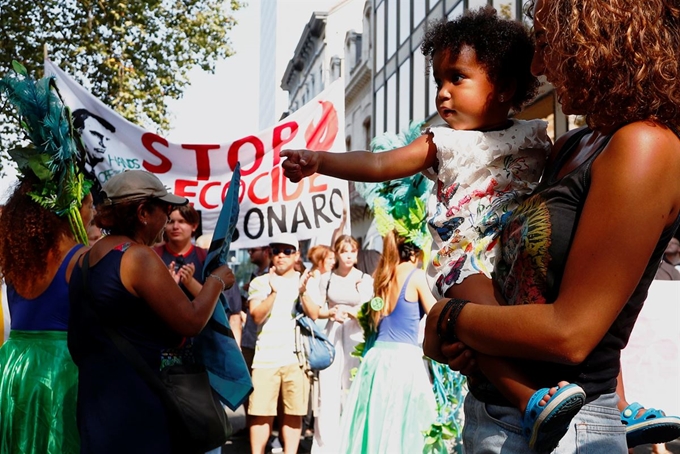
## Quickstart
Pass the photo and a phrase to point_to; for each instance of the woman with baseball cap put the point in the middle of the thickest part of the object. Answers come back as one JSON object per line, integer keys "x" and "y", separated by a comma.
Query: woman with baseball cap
{"x": 132, "y": 293}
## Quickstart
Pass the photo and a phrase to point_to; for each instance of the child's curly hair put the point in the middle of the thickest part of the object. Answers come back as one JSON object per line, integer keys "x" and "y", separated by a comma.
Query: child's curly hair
{"x": 504, "y": 47}
{"x": 616, "y": 61}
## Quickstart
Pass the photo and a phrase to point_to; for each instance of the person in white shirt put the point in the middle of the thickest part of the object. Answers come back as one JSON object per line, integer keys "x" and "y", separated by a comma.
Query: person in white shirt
{"x": 276, "y": 371}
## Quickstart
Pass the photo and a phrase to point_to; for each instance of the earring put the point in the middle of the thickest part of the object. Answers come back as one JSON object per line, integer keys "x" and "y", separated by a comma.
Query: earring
{"x": 501, "y": 98}
{"x": 144, "y": 222}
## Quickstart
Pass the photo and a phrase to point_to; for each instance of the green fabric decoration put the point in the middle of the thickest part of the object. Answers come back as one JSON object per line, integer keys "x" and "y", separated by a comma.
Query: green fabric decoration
{"x": 53, "y": 155}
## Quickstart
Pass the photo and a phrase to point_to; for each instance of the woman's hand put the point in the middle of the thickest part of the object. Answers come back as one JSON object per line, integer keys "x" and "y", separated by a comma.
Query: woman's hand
{"x": 460, "y": 358}
{"x": 299, "y": 164}
{"x": 226, "y": 274}
{"x": 340, "y": 314}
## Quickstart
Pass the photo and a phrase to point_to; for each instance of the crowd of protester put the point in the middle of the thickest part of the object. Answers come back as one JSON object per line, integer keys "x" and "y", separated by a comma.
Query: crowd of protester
{"x": 536, "y": 297}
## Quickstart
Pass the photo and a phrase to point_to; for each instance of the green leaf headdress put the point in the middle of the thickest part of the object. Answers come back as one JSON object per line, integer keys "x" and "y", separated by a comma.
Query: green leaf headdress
{"x": 52, "y": 156}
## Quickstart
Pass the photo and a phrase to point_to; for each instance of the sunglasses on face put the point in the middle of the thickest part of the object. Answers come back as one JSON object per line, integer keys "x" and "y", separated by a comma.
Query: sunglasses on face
{"x": 285, "y": 251}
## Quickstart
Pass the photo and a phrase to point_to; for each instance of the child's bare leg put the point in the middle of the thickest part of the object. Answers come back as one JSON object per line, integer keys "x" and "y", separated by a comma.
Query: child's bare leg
{"x": 514, "y": 385}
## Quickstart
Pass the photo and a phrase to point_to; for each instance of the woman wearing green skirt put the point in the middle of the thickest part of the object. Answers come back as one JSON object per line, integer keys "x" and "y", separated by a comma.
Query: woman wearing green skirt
{"x": 38, "y": 379}
{"x": 41, "y": 228}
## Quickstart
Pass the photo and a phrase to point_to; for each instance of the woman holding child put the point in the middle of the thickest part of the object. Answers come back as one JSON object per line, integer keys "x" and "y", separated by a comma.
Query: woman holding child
{"x": 617, "y": 64}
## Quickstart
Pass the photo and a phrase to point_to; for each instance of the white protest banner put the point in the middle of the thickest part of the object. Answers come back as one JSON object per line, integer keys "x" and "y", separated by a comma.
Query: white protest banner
{"x": 269, "y": 203}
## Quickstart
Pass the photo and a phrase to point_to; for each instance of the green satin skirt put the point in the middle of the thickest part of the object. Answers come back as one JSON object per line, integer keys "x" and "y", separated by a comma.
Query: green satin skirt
{"x": 38, "y": 389}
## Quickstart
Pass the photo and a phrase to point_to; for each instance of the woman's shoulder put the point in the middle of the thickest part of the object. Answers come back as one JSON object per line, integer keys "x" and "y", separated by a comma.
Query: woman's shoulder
{"x": 643, "y": 145}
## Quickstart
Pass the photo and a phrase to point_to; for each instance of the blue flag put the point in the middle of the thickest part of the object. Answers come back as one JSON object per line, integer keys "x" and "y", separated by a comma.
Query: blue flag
{"x": 216, "y": 346}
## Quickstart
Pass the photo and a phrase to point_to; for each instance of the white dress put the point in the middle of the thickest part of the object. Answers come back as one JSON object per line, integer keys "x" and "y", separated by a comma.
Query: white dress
{"x": 482, "y": 177}
{"x": 334, "y": 383}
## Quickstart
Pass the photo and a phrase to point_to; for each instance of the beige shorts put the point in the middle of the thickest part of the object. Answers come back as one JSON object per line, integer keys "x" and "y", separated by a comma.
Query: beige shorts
{"x": 290, "y": 381}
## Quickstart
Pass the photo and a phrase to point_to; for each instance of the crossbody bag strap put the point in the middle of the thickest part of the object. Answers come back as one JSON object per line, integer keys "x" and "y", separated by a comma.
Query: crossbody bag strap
{"x": 124, "y": 346}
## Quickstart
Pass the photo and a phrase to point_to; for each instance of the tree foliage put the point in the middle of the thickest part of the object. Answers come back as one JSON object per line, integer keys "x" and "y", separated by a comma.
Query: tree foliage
{"x": 131, "y": 54}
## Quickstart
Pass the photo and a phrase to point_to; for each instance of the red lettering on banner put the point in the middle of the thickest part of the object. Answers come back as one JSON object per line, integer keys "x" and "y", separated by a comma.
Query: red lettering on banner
{"x": 202, "y": 199}
{"x": 148, "y": 141}
{"x": 276, "y": 178}
{"x": 202, "y": 159}
{"x": 298, "y": 190}
{"x": 234, "y": 150}
{"x": 251, "y": 190}
{"x": 181, "y": 188}
{"x": 321, "y": 137}
{"x": 278, "y": 141}
{"x": 316, "y": 188}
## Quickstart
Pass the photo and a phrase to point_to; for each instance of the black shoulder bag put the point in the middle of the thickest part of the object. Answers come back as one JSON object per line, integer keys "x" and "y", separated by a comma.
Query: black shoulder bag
{"x": 184, "y": 390}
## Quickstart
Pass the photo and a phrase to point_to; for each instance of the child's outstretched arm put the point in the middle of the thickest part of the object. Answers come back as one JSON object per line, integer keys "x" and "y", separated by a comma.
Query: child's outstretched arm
{"x": 362, "y": 165}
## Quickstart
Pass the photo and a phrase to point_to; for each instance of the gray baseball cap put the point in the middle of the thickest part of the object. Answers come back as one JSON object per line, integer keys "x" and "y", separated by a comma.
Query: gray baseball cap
{"x": 137, "y": 184}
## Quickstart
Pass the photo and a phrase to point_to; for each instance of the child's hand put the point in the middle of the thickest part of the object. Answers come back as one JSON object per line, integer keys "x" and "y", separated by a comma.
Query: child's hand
{"x": 300, "y": 164}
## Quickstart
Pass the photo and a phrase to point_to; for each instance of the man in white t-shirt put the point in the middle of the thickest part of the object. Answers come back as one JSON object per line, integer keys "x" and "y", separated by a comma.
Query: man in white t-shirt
{"x": 276, "y": 369}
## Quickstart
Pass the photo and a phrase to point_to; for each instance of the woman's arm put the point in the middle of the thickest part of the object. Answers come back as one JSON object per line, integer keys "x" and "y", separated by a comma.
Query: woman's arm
{"x": 362, "y": 165}
{"x": 309, "y": 297}
{"x": 425, "y": 296}
{"x": 145, "y": 275}
{"x": 634, "y": 195}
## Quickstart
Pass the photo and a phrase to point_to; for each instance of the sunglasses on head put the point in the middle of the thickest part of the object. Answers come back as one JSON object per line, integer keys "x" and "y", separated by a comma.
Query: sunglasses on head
{"x": 285, "y": 251}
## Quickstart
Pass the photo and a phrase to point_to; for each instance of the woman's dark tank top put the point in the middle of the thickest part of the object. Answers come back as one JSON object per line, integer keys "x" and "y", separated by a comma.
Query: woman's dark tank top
{"x": 535, "y": 245}
{"x": 47, "y": 312}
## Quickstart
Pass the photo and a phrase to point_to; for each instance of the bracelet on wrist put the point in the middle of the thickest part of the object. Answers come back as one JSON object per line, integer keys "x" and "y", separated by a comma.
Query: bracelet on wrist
{"x": 441, "y": 322}
{"x": 455, "y": 306}
{"x": 219, "y": 279}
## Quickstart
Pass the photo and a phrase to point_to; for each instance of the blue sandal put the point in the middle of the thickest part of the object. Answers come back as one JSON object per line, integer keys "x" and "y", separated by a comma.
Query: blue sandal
{"x": 544, "y": 426}
{"x": 653, "y": 426}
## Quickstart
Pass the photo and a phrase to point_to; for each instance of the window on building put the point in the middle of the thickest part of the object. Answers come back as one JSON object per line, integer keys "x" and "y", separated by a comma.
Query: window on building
{"x": 357, "y": 51}
{"x": 404, "y": 20}
{"x": 404, "y": 94}
{"x": 391, "y": 28}
{"x": 418, "y": 12}
{"x": 391, "y": 104}
{"x": 419, "y": 80}
{"x": 431, "y": 94}
{"x": 367, "y": 133}
{"x": 380, "y": 111}
{"x": 457, "y": 11}
{"x": 367, "y": 33}
{"x": 380, "y": 37}
{"x": 474, "y": 4}
{"x": 434, "y": 3}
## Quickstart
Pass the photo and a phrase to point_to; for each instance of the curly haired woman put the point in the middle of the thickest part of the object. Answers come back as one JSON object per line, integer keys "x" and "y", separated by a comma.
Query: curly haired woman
{"x": 618, "y": 64}
{"x": 38, "y": 379}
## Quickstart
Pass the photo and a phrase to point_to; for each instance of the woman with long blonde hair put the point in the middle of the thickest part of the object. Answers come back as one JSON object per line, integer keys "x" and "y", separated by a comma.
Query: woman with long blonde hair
{"x": 378, "y": 418}
{"x": 345, "y": 290}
